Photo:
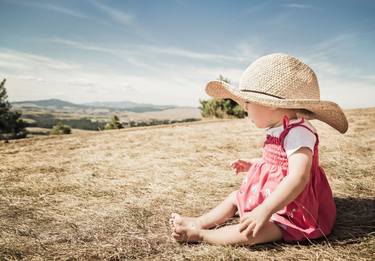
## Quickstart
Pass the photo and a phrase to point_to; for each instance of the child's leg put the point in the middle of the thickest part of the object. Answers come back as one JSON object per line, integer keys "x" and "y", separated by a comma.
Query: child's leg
{"x": 213, "y": 218}
{"x": 221, "y": 213}
{"x": 228, "y": 235}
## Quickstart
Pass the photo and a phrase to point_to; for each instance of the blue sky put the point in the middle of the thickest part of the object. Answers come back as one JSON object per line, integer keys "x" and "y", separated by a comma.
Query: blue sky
{"x": 163, "y": 52}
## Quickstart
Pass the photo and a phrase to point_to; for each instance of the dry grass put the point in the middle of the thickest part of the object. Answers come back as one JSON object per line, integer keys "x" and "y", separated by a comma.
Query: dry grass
{"x": 109, "y": 195}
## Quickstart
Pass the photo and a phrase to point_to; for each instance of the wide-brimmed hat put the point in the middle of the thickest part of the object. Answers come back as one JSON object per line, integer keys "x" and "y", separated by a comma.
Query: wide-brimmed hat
{"x": 282, "y": 81}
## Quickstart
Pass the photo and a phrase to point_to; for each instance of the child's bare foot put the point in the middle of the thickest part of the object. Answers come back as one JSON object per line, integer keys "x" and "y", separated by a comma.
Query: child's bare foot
{"x": 186, "y": 233}
{"x": 178, "y": 220}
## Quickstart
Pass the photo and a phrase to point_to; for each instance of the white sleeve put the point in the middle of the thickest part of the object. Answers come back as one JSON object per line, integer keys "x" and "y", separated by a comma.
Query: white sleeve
{"x": 299, "y": 137}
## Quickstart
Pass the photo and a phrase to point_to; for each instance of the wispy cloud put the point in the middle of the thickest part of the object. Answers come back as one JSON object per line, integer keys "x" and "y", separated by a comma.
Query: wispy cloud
{"x": 26, "y": 60}
{"x": 298, "y": 6}
{"x": 241, "y": 53}
{"x": 81, "y": 45}
{"x": 329, "y": 54}
{"x": 126, "y": 20}
{"x": 62, "y": 10}
{"x": 175, "y": 51}
{"x": 119, "y": 16}
{"x": 49, "y": 7}
{"x": 38, "y": 77}
{"x": 255, "y": 8}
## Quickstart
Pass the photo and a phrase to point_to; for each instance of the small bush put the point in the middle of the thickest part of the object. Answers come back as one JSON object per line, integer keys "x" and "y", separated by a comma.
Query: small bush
{"x": 223, "y": 108}
{"x": 61, "y": 129}
{"x": 114, "y": 124}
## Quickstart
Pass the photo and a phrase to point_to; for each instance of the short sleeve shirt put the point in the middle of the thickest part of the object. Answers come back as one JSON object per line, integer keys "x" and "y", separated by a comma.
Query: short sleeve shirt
{"x": 297, "y": 137}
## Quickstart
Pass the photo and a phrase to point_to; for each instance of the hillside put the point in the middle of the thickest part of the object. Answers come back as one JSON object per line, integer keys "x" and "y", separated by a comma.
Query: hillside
{"x": 94, "y": 116}
{"x": 88, "y": 107}
{"x": 108, "y": 195}
{"x": 55, "y": 103}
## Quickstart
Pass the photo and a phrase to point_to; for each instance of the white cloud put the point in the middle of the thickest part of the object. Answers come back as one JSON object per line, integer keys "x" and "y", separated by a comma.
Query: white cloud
{"x": 162, "y": 75}
{"x": 49, "y": 7}
{"x": 80, "y": 45}
{"x": 38, "y": 77}
{"x": 334, "y": 57}
{"x": 119, "y": 16}
{"x": 145, "y": 50}
{"x": 255, "y": 8}
{"x": 168, "y": 50}
{"x": 62, "y": 10}
{"x": 347, "y": 93}
{"x": 299, "y": 6}
{"x": 22, "y": 60}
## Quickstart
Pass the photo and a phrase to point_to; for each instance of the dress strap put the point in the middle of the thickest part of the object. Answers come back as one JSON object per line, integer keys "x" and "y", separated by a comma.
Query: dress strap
{"x": 285, "y": 121}
{"x": 288, "y": 127}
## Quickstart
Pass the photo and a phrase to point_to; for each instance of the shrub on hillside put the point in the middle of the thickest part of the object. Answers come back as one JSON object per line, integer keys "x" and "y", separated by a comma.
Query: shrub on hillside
{"x": 221, "y": 108}
{"x": 114, "y": 124}
{"x": 60, "y": 128}
{"x": 47, "y": 120}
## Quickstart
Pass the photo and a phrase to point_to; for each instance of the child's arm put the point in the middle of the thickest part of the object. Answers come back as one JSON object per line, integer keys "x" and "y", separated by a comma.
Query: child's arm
{"x": 299, "y": 167}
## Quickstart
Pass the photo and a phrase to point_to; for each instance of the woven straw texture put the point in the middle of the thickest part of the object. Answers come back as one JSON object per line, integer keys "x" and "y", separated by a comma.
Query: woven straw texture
{"x": 283, "y": 81}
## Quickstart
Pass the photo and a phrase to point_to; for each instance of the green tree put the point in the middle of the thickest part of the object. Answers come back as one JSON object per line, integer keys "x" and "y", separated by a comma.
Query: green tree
{"x": 61, "y": 128}
{"x": 114, "y": 124}
{"x": 223, "y": 79}
{"x": 11, "y": 126}
{"x": 221, "y": 108}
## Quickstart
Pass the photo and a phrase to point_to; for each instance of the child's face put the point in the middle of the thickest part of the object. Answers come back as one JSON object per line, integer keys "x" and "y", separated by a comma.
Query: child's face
{"x": 260, "y": 115}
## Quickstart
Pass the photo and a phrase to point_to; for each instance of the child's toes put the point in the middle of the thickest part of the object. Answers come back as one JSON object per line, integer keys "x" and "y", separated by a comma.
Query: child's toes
{"x": 177, "y": 219}
{"x": 174, "y": 215}
{"x": 171, "y": 224}
{"x": 178, "y": 237}
{"x": 175, "y": 236}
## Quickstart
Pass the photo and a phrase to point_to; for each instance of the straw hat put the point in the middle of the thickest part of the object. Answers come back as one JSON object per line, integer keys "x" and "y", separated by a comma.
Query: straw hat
{"x": 282, "y": 81}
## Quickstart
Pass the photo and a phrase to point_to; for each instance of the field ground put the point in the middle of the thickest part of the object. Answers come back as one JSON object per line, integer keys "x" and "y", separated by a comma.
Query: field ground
{"x": 108, "y": 195}
{"x": 36, "y": 131}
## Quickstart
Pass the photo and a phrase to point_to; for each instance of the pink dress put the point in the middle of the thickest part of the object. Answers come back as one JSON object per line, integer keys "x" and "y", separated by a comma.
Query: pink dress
{"x": 312, "y": 214}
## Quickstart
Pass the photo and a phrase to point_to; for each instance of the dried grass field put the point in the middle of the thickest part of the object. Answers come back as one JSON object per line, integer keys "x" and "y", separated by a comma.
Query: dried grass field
{"x": 109, "y": 195}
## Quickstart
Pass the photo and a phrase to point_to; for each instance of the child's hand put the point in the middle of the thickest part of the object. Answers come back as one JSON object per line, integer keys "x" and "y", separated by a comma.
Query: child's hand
{"x": 253, "y": 221}
{"x": 240, "y": 166}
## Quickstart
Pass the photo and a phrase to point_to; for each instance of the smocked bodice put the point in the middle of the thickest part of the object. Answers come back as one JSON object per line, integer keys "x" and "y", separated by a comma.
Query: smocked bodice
{"x": 273, "y": 152}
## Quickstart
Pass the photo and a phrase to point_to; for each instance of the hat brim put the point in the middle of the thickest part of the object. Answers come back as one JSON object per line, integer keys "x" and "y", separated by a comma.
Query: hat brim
{"x": 326, "y": 111}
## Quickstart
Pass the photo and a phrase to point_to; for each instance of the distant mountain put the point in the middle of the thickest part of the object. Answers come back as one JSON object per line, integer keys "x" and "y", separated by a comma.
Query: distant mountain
{"x": 127, "y": 105}
{"x": 123, "y": 105}
{"x": 56, "y": 103}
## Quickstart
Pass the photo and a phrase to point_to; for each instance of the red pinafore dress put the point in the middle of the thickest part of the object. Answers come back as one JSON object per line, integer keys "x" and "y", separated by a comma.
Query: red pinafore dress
{"x": 312, "y": 214}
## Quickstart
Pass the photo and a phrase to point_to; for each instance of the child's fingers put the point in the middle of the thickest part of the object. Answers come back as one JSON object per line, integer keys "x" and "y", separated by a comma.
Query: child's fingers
{"x": 244, "y": 224}
{"x": 249, "y": 230}
{"x": 236, "y": 162}
{"x": 256, "y": 230}
{"x": 232, "y": 163}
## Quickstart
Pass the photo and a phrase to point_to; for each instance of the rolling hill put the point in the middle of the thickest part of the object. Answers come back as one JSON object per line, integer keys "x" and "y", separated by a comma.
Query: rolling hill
{"x": 108, "y": 195}
{"x": 122, "y": 106}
